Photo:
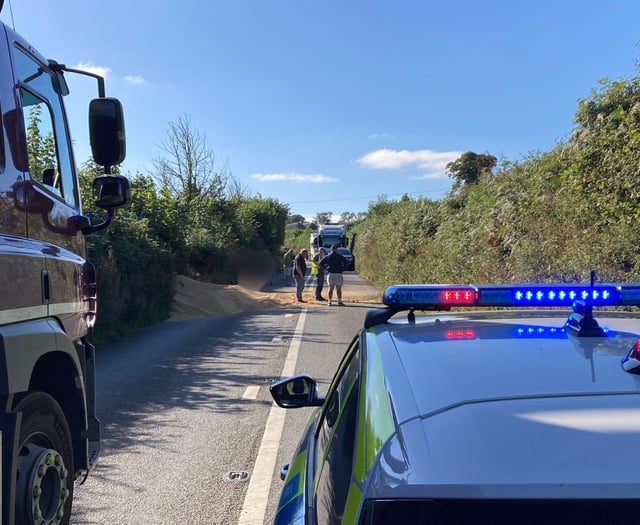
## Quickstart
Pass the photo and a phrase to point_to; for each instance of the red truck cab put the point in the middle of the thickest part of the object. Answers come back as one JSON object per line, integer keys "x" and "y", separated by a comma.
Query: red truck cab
{"x": 50, "y": 435}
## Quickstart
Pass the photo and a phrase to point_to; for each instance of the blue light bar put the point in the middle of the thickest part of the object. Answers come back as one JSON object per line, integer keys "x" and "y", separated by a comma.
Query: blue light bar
{"x": 541, "y": 332}
{"x": 549, "y": 295}
{"x": 630, "y": 294}
{"x": 520, "y": 296}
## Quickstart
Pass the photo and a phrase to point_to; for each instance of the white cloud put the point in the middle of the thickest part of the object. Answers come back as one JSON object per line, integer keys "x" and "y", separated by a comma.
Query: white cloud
{"x": 430, "y": 176}
{"x": 296, "y": 177}
{"x": 135, "y": 79}
{"x": 380, "y": 136}
{"x": 97, "y": 70}
{"x": 432, "y": 162}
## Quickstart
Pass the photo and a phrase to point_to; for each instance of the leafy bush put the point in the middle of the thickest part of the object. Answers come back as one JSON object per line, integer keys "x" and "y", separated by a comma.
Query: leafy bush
{"x": 160, "y": 235}
{"x": 554, "y": 216}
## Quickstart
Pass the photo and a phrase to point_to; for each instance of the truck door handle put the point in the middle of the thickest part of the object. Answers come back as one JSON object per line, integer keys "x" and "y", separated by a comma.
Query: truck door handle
{"x": 46, "y": 290}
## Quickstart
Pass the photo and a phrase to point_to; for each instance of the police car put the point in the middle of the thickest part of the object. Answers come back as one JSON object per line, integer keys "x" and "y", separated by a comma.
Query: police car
{"x": 527, "y": 416}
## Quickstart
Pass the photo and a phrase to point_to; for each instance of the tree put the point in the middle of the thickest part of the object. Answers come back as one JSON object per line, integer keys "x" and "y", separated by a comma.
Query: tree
{"x": 382, "y": 207}
{"x": 42, "y": 149}
{"x": 188, "y": 166}
{"x": 347, "y": 216}
{"x": 260, "y": 223}
{"x": 323, "y": 217}
{"x": 469, "y": 166}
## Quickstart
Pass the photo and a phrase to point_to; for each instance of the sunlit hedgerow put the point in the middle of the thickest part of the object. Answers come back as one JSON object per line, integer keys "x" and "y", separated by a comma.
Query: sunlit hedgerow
{"x": 552, "y": 216}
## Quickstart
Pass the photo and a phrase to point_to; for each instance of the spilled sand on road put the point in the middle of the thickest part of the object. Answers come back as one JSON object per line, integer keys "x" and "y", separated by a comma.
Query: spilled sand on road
{"x": 193, "y": 299}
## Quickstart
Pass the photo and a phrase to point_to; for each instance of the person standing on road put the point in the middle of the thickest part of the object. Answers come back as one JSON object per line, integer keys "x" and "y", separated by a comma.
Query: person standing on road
{"x": 300, "y": 270}
{"x": 319, "y": 273}
{"x": 288, "y": 266}
{"x": 335, "y": 264}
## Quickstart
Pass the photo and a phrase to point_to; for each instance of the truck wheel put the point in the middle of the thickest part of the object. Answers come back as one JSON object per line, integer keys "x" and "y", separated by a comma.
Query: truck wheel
{"x": 44, "y": 484}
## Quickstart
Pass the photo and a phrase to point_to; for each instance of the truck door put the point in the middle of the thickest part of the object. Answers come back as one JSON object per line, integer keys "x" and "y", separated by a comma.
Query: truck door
{"x": 51, "y": 193}
{"x": 21, "y": 263}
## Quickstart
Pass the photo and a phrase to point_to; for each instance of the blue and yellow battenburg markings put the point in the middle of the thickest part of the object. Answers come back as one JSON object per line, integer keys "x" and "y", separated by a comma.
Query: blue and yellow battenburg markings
{"x": 289, "y": 507}
{"x": 291, "y": 489}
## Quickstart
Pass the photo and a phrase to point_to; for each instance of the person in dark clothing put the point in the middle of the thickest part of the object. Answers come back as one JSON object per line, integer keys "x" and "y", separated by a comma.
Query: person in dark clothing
{"x": 299, "y": 272}
{"x": 288, "y": 258}
{"x": 320, "y": 274}
{"x": 335, "y": 264}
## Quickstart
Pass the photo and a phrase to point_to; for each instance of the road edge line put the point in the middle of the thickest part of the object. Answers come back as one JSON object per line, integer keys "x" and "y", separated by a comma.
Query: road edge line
{"x": 257, "y": 497}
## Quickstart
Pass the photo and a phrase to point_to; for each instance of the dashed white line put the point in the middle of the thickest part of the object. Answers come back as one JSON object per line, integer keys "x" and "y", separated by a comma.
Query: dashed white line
{"x": 257, "y": 497}
{"x": 251, "y": 392}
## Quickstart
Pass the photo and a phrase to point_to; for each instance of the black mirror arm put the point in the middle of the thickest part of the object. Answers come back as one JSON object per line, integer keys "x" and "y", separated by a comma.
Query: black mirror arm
{"x": 93, "y": 228}
{"x": 100, "y": 79}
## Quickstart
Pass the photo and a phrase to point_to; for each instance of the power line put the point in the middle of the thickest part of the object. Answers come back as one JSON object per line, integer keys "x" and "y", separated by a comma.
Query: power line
{"x": 371, "y": 196}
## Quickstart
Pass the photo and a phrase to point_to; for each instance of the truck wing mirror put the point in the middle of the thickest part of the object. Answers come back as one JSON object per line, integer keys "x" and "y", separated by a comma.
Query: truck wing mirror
{"x": 106, "y": 131}
{"x": 111, "y": 191}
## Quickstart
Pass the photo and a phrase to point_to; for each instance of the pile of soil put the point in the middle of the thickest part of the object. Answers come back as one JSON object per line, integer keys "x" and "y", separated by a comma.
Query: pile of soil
{"x": 193, "y": 299}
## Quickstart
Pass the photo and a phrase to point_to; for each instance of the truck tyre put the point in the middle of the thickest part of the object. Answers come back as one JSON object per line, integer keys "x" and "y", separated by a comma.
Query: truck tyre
{"x": 44, "y": 483}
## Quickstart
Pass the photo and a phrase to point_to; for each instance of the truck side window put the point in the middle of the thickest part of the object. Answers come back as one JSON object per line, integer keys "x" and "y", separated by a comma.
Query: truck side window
{"x": 48, "y": 144}
{"x": 41, "y": 146}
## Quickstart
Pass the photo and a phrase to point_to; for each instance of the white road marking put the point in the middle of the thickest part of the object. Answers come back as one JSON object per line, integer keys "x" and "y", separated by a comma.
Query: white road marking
{"x": 257, "y": 497}
{"x": 251, "y": 392}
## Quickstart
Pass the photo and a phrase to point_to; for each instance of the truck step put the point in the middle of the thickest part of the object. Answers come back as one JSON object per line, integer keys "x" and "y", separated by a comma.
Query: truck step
{"x": 94, "y": 453}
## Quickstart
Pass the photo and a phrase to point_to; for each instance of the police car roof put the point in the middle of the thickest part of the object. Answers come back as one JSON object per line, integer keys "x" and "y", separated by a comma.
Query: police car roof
{"x": 464, "y": 390}
{"x": 448, "y": 361}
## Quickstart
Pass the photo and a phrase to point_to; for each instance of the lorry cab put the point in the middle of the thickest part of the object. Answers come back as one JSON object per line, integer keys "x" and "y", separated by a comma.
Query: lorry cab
{"x": 48, "y": 298}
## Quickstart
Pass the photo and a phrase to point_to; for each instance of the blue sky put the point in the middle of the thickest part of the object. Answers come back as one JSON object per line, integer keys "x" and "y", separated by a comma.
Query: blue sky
{"x": 326, "y": 105}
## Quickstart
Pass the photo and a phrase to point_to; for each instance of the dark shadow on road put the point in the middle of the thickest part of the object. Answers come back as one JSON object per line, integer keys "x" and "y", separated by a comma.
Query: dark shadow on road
{"x": 199, "y": 364}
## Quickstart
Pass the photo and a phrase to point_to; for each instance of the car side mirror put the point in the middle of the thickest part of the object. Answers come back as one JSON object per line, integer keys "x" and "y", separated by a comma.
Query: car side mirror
{"x": 296, "y": 392}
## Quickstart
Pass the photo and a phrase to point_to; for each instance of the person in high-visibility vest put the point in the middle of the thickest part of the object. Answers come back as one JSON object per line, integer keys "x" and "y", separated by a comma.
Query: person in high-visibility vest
{"x": 318, "y": 271}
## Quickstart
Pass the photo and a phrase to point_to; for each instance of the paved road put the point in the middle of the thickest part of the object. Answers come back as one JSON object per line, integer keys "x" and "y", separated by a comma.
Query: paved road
{"x": 184, "y": 407}
{"x": 356, "y": 290}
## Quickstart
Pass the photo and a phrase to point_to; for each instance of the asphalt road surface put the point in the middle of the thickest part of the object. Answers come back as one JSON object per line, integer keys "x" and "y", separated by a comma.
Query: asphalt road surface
{"x": 190, "y": 434}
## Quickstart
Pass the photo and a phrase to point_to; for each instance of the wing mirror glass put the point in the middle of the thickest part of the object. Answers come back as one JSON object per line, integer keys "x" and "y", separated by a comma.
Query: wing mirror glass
{"x": 296, "y": 392}
{"x": 111, "y": 191}
{"x": 106, "y": 131}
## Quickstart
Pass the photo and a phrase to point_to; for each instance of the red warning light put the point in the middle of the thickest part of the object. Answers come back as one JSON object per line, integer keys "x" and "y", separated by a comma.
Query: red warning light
{"x": 458, "y": 296}
{"x": 459, "y": 334}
